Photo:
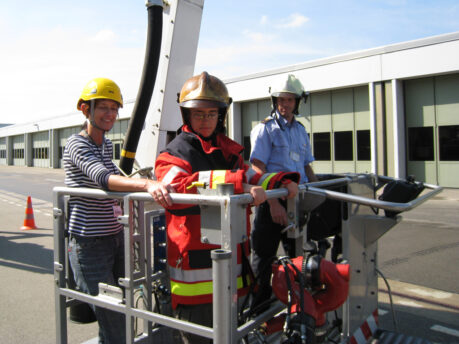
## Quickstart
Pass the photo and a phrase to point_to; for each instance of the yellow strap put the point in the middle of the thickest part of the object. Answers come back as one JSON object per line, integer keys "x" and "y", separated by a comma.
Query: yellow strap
{"x": 196, "y": 184}
{"x": 127, "y": 154}
{"x": 195, "y": 289}
{"x": 265, "y": 183}
{"x": 218, "y": 177}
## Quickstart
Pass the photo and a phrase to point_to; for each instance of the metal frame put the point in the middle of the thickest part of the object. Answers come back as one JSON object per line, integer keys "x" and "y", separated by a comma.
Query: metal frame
{"x": 360, "y": 231}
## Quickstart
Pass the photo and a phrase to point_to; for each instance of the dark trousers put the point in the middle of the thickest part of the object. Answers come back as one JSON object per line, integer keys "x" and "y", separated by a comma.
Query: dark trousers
{"x": 266, "y": 236}
{"x": 199, "y": 314}
{"x": 96, "y": 260}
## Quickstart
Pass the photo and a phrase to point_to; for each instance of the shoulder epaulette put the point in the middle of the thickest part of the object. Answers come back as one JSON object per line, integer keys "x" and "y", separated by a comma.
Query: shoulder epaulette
{"x": 301, "y": 124}
{"x": 267, "y": 119}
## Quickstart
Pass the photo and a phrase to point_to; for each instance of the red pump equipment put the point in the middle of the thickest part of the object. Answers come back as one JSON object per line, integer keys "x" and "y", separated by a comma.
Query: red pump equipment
{"x": 311, "y": 287}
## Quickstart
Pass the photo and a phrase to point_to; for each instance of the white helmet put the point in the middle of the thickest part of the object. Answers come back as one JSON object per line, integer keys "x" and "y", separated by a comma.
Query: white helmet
{"x": 292, "y": 86}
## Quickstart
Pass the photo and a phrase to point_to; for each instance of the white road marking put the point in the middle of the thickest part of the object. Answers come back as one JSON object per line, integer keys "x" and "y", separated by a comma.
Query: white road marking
{"x": 447, "y": 330}
{"x": 382, "y": 312}
{"x": 409, "y": 303}
{"x": 429, "y": 293}
{"x": 18, "y": 200}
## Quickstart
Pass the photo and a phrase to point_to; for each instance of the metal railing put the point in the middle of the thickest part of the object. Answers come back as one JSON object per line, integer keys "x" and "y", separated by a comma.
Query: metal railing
{"x": 227, "y": 228}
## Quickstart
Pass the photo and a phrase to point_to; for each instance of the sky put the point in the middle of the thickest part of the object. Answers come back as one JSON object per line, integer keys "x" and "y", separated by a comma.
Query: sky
{"x": 49, "y": 49}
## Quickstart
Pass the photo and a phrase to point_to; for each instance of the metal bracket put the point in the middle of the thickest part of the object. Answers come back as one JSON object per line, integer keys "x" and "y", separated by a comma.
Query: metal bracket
{"x": 123, "y": 219}
{"x": 57, "y": 212}
{"x": 149, "y": 3}
{"x": 376, "y": 226}
{"x": 210, "y": 224}
{"x": 309, "y": 201}
{"x": 110, "y": 291}
{"x": 211, "y": 215}
{"x": 124, "y": 282}
{"x": 58, "y": 267}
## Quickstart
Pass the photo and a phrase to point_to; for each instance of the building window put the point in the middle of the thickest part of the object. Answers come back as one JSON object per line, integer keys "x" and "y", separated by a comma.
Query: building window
{"x": 363, "y": 145}
{"x": 40, "y": 153}
{"x": 343, "y": 146}
{"x": 321, "y": 142}
{"x": 421, "y": 144}
{"x": 18, "y": 153}
{"x": 449, "y": 142}
{"x": 2, "y": 153}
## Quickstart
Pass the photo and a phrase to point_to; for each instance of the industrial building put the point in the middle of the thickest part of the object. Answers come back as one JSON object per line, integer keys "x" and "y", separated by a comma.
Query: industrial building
{"x": 391, "y": 110}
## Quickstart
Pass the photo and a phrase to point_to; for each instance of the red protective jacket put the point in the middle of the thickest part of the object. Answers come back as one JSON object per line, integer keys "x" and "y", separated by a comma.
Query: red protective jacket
{"x": 188, "y": 159}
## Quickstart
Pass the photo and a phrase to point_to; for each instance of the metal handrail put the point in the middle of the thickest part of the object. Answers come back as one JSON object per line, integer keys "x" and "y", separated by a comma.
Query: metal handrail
{"x": 311, "y": 188}
{"x": 393, "y": 206}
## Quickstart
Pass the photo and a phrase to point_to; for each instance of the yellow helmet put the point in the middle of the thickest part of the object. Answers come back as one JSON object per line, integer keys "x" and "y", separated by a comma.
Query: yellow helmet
{"x": 291, "y": 86}
{"x": 100, "y": 88}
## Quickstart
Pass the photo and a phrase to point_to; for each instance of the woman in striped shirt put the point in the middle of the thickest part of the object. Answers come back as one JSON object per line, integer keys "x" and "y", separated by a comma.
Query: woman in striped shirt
{"x": 96, "y": 247}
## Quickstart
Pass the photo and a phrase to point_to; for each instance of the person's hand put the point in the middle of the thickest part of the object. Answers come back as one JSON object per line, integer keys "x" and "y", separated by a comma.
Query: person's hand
{"x": 258, "y": 194}
{"x": 278, "y": 212}
{"x": 292, "y": 188}
{"x": 160, "y": 192}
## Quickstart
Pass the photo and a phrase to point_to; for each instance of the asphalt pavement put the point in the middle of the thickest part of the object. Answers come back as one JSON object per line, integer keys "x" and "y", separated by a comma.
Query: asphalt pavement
{"x": 26, "y": 276}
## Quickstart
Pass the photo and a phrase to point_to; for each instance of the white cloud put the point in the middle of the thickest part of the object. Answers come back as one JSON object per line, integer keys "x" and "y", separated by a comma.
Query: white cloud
{"x": 264, "y": 20}
{"x": 255, "y": 51}
{"x": 293, "y": 21}
{"x": 259, "y": 37}
{"x": 246, "y": 56}
{"x": 103, "y": 36}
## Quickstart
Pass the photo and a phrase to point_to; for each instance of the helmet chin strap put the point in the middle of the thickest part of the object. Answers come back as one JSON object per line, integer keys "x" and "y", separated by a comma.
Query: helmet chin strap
{"x": 93, "y": 123}
{"x": 91, "y": 116}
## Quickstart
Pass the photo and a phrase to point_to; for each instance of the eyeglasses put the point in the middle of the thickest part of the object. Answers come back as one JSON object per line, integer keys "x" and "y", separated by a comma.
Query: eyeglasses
{"x": 105, "y": 109}
{"x": 201, "y": 116}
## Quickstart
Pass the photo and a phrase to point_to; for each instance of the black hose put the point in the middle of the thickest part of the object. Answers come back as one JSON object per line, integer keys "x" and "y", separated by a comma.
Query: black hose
{"x": 147, "y": 83}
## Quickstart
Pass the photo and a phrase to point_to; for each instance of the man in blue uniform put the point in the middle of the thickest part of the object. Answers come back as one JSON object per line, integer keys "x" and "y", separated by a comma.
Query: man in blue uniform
{"x": 279, "y": 143}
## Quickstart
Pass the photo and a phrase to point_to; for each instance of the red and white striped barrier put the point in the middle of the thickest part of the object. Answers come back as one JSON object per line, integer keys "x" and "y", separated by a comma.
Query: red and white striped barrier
{"x": 366, "y": 330}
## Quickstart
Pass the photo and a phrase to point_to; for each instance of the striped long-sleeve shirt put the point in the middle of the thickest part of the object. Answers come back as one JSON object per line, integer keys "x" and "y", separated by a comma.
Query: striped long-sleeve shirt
{"x": 88, "y": 165}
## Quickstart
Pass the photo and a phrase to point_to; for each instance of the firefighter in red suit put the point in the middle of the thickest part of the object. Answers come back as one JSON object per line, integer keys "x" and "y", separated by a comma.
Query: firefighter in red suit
{"x": 202, "y": 154}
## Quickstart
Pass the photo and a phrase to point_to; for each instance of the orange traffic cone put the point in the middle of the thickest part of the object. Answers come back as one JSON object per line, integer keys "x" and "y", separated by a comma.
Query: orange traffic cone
{"x": 29, "y": 222}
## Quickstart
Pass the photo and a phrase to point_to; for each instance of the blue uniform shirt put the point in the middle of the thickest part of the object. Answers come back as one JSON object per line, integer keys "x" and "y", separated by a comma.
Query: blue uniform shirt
{"x": 281, "y": 146}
